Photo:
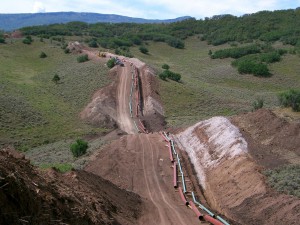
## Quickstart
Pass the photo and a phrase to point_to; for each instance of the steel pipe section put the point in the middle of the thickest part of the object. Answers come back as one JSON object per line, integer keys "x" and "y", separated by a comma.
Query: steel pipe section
{"x": 170, "y": 153}
{"x": 183, "y": 197}
{"x": 212, "y": 220}
{"x": 209, "y": 212}
{"x": 175, "y": 177}
{"x": 196, "y": 211}
{"x": 164, "y": 137}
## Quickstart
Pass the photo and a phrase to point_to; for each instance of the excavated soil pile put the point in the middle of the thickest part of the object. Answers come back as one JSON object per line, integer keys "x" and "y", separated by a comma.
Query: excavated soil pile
{"x": 272, "y": 141}
{"x": 101, "y": 111}
{"x": 153, "y": 113}
{"x": 141, "y": 164}
{"x": 231, "y": 179}
{"x": 30, "y": 196}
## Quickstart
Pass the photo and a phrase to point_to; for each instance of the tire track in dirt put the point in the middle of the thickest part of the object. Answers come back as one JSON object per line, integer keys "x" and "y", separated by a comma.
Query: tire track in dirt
{"x": 162, "y": 219}
{"x": 123, "y": 92}
{"x": 175, "y": 212}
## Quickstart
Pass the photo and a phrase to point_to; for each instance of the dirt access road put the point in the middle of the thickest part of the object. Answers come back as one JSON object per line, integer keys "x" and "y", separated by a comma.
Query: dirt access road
{"x": 125, "y": 121}
{"x": 140, "y": 163}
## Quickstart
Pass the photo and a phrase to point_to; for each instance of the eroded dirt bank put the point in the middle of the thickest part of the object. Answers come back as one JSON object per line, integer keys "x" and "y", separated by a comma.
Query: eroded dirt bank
{"x": 229, "y": 169}
{"x": 30, "y": 196}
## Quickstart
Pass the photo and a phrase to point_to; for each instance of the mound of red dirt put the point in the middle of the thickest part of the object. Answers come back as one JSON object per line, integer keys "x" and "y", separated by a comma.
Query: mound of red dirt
{"x": 101, "y": 111}
{"x": 272, "y": 141}
{"x": 30, "y": 196}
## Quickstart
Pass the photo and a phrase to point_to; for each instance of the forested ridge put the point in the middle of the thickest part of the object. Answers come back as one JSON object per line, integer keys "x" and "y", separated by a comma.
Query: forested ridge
{"x": 282, "y": 25}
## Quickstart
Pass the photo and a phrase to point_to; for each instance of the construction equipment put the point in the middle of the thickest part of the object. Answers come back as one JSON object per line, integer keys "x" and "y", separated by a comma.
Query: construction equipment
{"x": 102, "y": 54}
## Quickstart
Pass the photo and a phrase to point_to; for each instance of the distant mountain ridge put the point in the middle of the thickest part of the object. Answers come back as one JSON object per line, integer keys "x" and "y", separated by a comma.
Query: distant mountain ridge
{"x": 10, "y": 22}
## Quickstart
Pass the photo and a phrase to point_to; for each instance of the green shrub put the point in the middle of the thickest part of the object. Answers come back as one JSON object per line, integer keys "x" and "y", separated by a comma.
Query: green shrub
{"x": 258, "y": 104}
{"x": 93, "y": 44}
{"x": 43, "y": 55}
{"x": 163, "y": 76}
{"x": 67, "y": 51}
{"x": 270, "y": 57}
{"x": 171, "y": 75}
{"x": 144, "y": 50}
{"x": 165, "y": 66}
{"x": 61, "y": 167}
{"x": 82, "y": 58}
{"x": 56, "y": 78}
{"x": 28, "y": 40}
{"x": 252, "y": 67}
{"x": 236, "y": 52}
{"x": 111, "y": 63}
{"x": 2, "y": 40}
{"x": 285, "y": 179}
{"x": 79, "y": 148}
{"x": 290, "y": 98}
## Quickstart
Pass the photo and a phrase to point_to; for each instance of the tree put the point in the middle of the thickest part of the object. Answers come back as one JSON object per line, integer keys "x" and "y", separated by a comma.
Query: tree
{"x": 56, "y": 78}
{"x": 79, "y": 148}
{"x": 2, "y": 40}
{"x": 43, "y": 55}
{"x": 144, "y": 50}
{"x": 165, "y": 66}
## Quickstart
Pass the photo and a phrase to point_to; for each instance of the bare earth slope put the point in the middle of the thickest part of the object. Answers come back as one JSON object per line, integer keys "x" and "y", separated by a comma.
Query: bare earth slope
{"x": 29, "y": 196}
{"x": 227, "y": 167}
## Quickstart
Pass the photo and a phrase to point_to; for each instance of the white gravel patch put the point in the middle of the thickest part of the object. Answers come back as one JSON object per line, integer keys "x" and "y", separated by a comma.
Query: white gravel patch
{"x": 210, "y": 142}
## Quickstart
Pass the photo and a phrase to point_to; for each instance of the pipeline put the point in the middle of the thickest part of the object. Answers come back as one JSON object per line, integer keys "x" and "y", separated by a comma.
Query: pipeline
{"x": 130, "y": 109}
{"x": 212, "y": 220}
{"x": 175, "y": 179}
{"x": 142, "y": 125}
{"x": 164, "y": 137}
{"x": 202, "y": 206}
{"x": 170, "y": 153}
{"x": 183, "y": 197}
{"x": 173, "y": 148}
{"x": 196, "y": 211}
{"x": 136, "y": 126}
{"x": 209, "y": 212}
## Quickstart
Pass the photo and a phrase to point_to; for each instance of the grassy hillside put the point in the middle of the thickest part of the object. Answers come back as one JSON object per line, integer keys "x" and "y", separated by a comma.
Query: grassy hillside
{"x": 212, "y": 87}
{"x": 33, "y": 109}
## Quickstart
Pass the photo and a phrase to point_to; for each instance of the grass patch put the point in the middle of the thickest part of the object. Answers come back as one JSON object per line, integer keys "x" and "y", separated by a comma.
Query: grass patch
{"x": 64, "y": 167}
{"x": 33, "y": 109}
{"x": 285, "y": 179}
{"x": 212, "y": 87}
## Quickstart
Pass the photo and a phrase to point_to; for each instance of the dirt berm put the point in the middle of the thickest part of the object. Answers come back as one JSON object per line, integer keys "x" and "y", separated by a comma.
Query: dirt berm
{"x": 229, "y": 157}
{"x": 30, "y": 196}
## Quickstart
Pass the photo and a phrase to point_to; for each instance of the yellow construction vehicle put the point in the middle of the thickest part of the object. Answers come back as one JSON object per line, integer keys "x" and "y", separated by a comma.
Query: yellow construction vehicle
{"x": 102, "y": 54}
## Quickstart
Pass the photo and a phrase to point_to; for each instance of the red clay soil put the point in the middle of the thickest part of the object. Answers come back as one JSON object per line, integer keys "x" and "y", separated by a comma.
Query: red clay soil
{"x": 141, "y": 164}
{"x": 30, "y": 196}
{"x": 244, "y": 195}
{"x": 101, "y": 111}
{"x": 272, "y": 141}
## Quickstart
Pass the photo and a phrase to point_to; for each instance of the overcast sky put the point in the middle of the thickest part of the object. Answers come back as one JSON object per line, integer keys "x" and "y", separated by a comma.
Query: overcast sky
{"x": 150, "y": 9}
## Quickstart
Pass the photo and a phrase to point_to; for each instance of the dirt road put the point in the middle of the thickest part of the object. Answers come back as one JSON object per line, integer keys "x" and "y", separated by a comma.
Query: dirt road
{"x": 123, "y": 97}
{"x": 140, "y": 163}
